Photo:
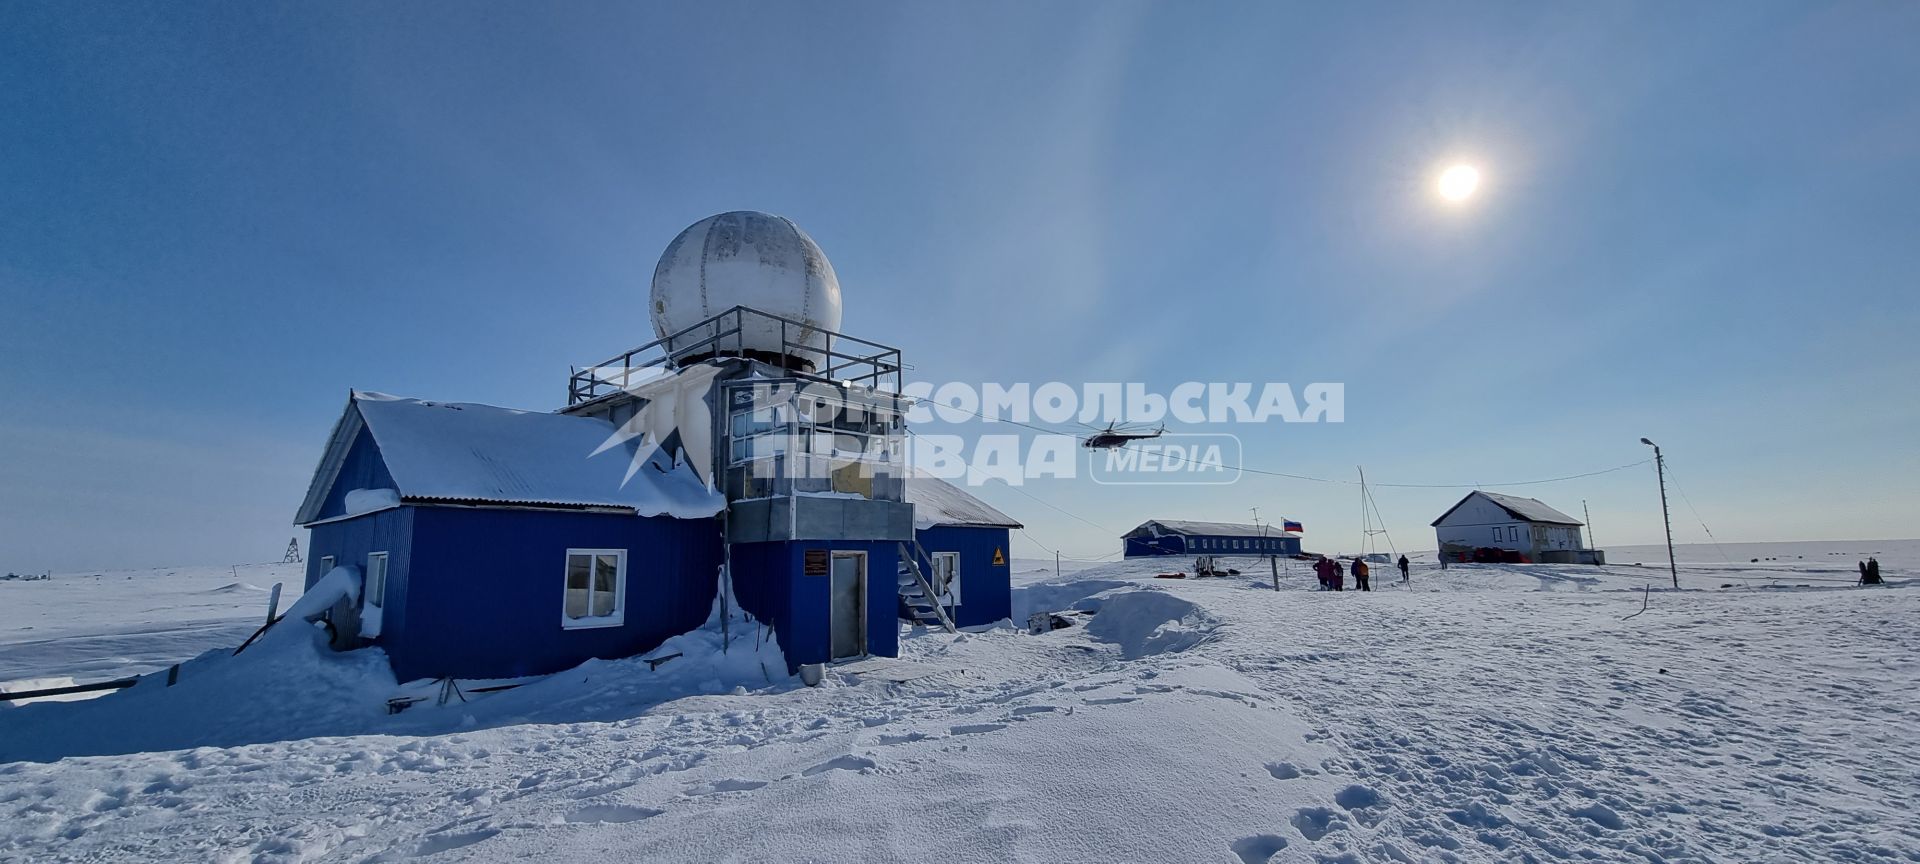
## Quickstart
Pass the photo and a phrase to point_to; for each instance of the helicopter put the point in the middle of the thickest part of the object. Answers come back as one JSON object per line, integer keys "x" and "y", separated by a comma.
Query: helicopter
{"x": 1112, "y": 437}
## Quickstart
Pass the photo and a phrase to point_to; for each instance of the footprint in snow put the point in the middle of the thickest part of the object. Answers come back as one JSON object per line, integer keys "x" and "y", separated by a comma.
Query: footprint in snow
{"x": 1283, "y": 770}
{"x": 1601, "y": 815}
{"x": 437, "y": 843}
{"x": 976, "y": 728}
{"x": 729, "y": 785}
{"x": 612, "y": 813}
{"x": 1025, "y": 710}
{"x": 1314, "y": 823}
{"x": 1356, "y": 796}
{"x": 596, "y": 791}
{"x": 848, "y": 762}
{"x": 1116, "y": 700}
{"x": 1259, "y": 848}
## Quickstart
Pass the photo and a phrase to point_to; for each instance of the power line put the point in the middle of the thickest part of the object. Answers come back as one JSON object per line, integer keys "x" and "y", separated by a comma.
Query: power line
{"x": 1311, "y": 479}
{"x": 1103, "y": 559}
{"x": 1043, "y": 503}
{"x": 1696, "y": 514}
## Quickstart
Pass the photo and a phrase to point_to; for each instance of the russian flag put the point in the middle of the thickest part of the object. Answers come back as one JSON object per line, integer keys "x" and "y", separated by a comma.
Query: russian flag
{"x": 1290, "y": 525}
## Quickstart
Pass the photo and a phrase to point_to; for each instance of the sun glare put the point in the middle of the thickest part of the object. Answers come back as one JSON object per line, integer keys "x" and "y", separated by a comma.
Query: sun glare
{"x": 1459, "y": 182}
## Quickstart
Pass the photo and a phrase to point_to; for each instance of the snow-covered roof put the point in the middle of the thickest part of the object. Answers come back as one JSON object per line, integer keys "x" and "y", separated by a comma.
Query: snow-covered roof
{"x": 1523, "y": 509}
{"x": 937, "y": 502}
{"x": 471, "y": 453}
{"x": 1208, "y": 529}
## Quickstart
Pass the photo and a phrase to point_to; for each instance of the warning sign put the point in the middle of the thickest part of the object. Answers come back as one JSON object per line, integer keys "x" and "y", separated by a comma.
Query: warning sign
{"x": 999, "y": 559}
{"x": 814, "y": 563}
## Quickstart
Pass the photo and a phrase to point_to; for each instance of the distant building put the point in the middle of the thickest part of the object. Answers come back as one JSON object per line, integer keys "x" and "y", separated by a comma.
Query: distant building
{"x": 1183, "y": 537}
{"x": 1489, "y": 520}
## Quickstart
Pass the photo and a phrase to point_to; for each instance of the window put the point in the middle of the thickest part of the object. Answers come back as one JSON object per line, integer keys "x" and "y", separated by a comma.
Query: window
{"x": 946, "y": 576}
{"x": 596, "y": 588}
{"x": 326, "y": 564}
{"x": 1496, "y": 535}
{"x": 376, "y": 594}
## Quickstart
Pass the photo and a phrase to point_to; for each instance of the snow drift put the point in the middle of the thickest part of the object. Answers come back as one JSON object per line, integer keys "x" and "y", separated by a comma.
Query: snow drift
{"x": 288, "y": 684}
{"x": 1147, "y": 622}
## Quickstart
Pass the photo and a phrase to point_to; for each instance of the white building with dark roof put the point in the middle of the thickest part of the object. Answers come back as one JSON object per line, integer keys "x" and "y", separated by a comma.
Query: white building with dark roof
{"x": 1489, "y": 520}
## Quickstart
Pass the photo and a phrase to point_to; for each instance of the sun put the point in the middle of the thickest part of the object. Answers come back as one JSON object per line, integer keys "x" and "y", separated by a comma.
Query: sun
{"x": 1459, "y": 182}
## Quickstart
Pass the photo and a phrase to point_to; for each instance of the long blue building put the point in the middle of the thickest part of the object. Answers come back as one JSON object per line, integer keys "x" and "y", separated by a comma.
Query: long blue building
{"x": 1184, "y": 537}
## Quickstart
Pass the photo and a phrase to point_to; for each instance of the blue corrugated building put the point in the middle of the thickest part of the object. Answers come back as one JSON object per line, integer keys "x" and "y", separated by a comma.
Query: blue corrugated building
{"x": 964, "y": 547}
{"x": 1185, "y": 537}
{"x": 492, "y": 546}
{"x": 748, "y": 459}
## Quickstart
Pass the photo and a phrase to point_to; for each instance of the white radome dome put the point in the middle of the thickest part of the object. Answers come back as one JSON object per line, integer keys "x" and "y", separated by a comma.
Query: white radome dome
{"x": 752, "y": 259}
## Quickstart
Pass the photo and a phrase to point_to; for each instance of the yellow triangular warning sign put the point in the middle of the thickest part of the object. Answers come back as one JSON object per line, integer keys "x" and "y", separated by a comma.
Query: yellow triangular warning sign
{"x": 999, "y": 559}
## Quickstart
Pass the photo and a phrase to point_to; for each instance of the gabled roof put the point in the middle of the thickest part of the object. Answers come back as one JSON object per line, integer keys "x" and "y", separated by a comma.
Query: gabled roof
{"x": 937, "y": 502}
{"x": 1208, "y": 529}
{"x": 448, "y": 452}
{"x": 1523, "y": 509}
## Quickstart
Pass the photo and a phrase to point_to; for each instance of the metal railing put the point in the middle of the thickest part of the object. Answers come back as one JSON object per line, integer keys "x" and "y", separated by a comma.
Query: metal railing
{"x": 911, "y": 553}
{"x": 823, "y": 354}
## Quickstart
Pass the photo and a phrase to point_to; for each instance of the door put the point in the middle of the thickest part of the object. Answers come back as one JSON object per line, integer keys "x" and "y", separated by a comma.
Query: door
{"x": 946, "y": 577}
{"x": 847, "y": 605}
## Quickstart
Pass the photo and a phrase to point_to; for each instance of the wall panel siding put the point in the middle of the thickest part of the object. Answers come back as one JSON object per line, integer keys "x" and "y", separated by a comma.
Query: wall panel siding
{"x": 486, "y": 589}
{"x": 986, "y": 590}
{"x": 361, "y": 469}
{"x": 771, "y": 584}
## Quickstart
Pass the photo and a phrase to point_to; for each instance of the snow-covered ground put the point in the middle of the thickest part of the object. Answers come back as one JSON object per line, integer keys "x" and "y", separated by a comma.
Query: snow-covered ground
{"x": 1483, "y": 713}
{"x": 96, "y": 626}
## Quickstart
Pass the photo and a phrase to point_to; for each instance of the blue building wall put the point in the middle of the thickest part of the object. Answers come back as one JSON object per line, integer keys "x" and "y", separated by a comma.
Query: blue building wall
{"x": 349, "y": 541}
{"x": 986, "y": 589}
{"x": 486, "y": 601}
{"x": 1196, "y": 544}
{"x": 1165, "y": 544}
{"x": 478, "y": 592}
{"x": 770, "y": 584}
{"x": 361, "y": 469}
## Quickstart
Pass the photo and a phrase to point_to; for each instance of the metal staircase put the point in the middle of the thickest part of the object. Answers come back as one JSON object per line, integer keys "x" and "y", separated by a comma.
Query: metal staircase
{"x": 917, "y": 592}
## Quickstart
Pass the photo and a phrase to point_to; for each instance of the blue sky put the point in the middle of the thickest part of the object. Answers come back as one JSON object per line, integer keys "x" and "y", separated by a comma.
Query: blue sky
{"x": 1697, "y": 225}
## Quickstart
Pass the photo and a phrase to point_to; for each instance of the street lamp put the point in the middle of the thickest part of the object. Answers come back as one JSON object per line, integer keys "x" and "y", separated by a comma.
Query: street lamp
{"x": 1660, "y": 466}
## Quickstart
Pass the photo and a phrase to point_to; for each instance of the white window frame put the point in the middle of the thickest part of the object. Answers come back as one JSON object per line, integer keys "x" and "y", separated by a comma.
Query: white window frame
{"x": 619, "y": 615}
{"x": 954, "y": 577}
{"x": 375, "y": 593}
{"x": 326, "y": 564}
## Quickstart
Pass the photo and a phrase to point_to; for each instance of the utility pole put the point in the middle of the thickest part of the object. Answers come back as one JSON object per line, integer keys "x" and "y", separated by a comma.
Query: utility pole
{"x": 1660, "y": 466}
{"x": 1273, "y": 561}
{"x": 1366, "y": 532}
{"x": 1591, "y": 543}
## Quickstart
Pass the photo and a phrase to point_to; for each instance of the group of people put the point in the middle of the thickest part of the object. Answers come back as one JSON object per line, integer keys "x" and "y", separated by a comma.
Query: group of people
{"x": 1332, "y": 578}
{"x": 1870, "y": 572}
